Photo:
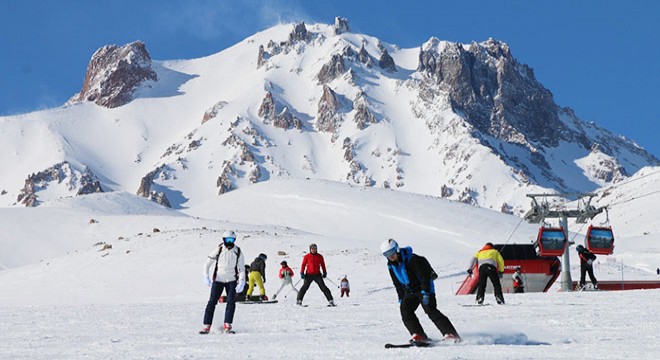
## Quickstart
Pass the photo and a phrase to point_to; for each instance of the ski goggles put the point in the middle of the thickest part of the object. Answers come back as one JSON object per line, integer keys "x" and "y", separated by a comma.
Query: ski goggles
{"x": 389, "y": 252}
{"x": 229, "y": 240}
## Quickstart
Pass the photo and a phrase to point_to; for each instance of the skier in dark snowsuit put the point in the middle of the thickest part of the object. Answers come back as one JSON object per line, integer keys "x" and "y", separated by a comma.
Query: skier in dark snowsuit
{"x": 413, "y": 276}
{"x": 586, "y": 266}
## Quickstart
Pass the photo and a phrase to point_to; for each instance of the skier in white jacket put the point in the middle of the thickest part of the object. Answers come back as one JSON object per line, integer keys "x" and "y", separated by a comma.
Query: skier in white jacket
{"x": 223, "y": 270}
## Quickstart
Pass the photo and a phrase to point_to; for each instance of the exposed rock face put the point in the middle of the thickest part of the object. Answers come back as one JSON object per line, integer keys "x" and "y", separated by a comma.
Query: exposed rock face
{"x": 363, "y": 116}
{"x": 332, "y": 69}
{"x": 283, "y": 120}
{"x": 213, "y": 111}
{"x": 327, "y": 118}
{"x": 386, "y": 62}
{"x": 262, "y": 57}
{"x": 114, "y": 73}
{"x": 364, "y": 57}
{"x": 63, "y": 175}
{"x": 341, "y": 25}
{"x": 499, "y": 96}
{"x": 299, "y": 33}
{"x": 145, "y": 188}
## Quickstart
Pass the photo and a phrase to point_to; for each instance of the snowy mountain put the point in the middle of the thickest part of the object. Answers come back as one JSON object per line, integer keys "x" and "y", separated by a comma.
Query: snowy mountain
{"x": 466, "y": 122}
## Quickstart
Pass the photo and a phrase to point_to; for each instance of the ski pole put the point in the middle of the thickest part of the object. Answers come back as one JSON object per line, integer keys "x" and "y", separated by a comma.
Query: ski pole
{"x": 332, "y": 282}
{"x": 292, "y": 288}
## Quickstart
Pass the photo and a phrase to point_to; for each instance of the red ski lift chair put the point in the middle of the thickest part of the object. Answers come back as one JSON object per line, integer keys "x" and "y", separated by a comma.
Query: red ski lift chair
{"x": 550, "y": 242}
{"x": 600, "y": 240}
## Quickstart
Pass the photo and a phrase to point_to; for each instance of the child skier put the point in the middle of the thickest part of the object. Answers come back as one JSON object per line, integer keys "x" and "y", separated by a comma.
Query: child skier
{"x": 286, "y": 274}
{"x": 345, "y": 286}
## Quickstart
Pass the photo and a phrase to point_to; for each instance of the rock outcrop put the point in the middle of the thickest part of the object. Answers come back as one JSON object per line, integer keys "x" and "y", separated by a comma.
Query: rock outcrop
{"x": 114, "y": 73}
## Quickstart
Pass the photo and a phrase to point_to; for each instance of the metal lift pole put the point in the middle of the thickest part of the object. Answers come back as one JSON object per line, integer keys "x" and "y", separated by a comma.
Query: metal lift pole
{"x": 566, "y": 281}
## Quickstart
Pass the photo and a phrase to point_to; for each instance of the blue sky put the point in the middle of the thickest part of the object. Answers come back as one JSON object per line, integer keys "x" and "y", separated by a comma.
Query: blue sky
{"x": 600, "y": 58}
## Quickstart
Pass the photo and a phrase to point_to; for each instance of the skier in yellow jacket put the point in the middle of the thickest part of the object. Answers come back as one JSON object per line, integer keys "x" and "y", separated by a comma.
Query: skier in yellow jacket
{"x": 491, "y": 265}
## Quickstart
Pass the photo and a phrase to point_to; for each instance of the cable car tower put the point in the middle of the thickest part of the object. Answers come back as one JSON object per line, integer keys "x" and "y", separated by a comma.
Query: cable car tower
{"x": 542, "y": 210}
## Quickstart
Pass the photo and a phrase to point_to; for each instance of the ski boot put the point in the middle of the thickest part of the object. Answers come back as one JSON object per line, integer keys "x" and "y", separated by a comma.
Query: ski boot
{"x": 451, "y": 338}
{"x": 480, "y": 301}
{"x": 419, "y": 339}
{"x": 331, "y": 303}
{"x": 299, "y": 302}
{"x": 227, "y": 329}
{"x": 500, "y": 301}
{"x": 205, "y": 330}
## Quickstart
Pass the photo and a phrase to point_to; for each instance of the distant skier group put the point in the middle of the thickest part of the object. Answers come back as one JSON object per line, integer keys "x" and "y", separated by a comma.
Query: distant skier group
{"x": 225, "y": 271}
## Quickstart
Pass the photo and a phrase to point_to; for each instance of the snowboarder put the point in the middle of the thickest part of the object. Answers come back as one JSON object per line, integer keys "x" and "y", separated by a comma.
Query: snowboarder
{"x": 286, "y": 274}
{"x": 345, "y": 286}
{"x": 413, "y": 276}
{"x": 518, "y": 285}
{"x": 490, "y": 265}
{"x": 586, "y": 266}
{"x": 310, "y": 270}
{"x": 227, "y": 262}
{"x": 240, "y": 296}
{"x": 258, "y": 276}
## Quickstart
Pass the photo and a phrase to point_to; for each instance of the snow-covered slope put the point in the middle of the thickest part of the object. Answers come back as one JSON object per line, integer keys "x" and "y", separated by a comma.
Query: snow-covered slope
{"x": 144, "y": 296}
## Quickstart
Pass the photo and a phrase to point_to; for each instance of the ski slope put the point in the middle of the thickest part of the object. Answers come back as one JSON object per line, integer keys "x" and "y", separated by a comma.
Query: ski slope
{"x": 68, "y": 298}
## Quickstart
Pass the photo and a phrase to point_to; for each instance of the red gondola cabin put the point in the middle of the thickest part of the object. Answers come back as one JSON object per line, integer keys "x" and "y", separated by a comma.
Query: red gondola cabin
{"x": 550, "y": 242}
{"x": 600, "y": 240}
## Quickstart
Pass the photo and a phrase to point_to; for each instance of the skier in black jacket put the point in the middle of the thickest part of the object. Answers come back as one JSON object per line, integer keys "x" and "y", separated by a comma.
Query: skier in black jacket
{"x": 586, "y": 266}
{"x": 413, "y": 277}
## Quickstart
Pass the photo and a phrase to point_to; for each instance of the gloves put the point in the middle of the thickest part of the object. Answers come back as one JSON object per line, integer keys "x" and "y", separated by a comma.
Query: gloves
{"x": 207, "y": 281}
{"x": 302, "y": 275}
{"x": 500, "y": 275}
{"x": 590, "y": 261}
{"x": 240, "y": 287}
{"x": 469, "y": 271}
{"x": 426, "y": 299}
{"x": 325, "y": 274}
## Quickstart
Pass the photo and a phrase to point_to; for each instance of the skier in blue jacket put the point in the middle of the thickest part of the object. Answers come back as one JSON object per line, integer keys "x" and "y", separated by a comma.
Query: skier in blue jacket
{"x": 413, "y": 277}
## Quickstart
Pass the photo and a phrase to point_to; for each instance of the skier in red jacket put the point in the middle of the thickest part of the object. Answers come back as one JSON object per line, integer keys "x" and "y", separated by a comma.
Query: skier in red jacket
{"x": 310, "y": 270}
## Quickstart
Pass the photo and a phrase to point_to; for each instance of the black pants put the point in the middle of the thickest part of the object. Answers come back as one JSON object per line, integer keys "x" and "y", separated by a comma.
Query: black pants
{"x": 518, "y": 289}
{"x": 584, "y": 269}
{"x": 487, "y": 271}
{"x": 409, "y": 305}
{"x": 216, "y": 291}
{"x": 318, "y": 279}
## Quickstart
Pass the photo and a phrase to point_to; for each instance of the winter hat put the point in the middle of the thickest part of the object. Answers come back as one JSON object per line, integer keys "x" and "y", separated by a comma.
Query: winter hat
{"x": 283, "y": 263}
{"x": 579, "y": 248}
{"x": 263, "y": 256}
{"x": 312, "y": 246}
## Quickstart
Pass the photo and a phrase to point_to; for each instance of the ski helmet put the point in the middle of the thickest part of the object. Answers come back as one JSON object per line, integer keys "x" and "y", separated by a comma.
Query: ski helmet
{"x": 228, "y": 237}
{"x": 312, "y": 246}
{"x": 263, "y": 256}
{"x": 389, "y": 248}
{"x": 283, "y": 263}
{"x": 579, "y": 248}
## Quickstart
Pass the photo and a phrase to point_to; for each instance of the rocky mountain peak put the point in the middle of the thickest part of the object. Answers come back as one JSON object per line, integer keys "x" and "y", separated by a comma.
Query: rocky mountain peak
{"x": 498, "y": 95}
{"x": 113, "y": 74}
{"x": 341, "y": 25}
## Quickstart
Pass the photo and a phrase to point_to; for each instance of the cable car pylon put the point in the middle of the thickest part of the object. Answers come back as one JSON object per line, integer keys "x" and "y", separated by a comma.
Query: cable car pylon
{"x": 541, "y": 210}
